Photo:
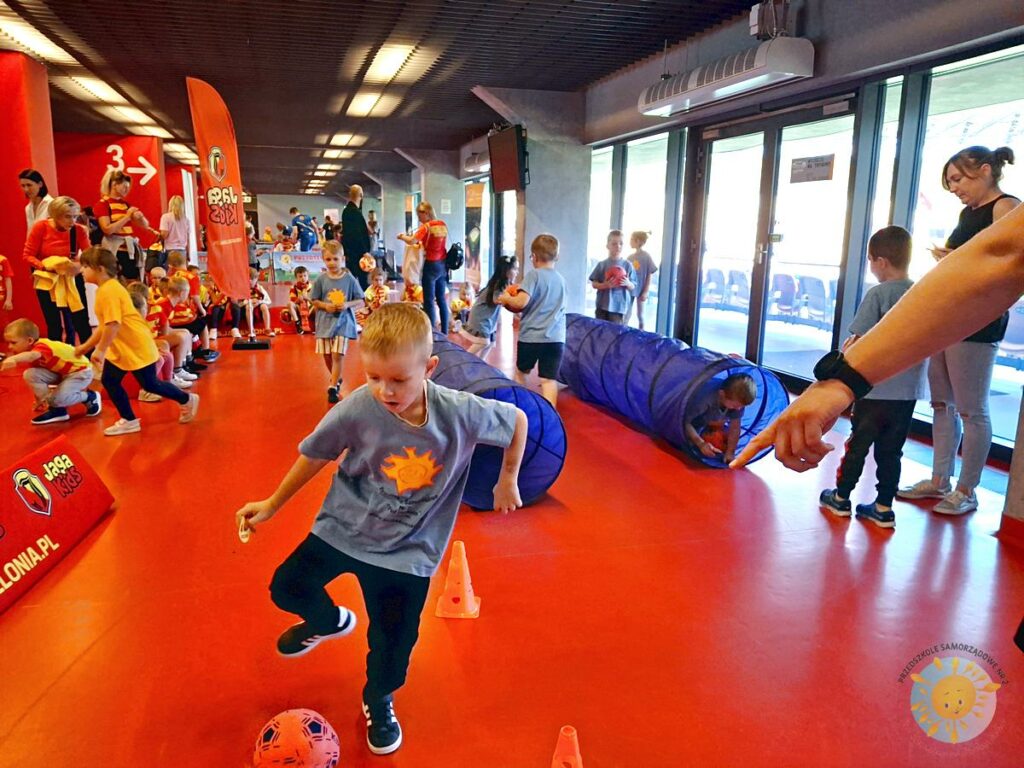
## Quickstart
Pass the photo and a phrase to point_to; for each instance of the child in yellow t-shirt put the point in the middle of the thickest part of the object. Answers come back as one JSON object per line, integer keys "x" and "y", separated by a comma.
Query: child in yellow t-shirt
{"x": 50, "y": 362}
{"x": 124, "y": 344}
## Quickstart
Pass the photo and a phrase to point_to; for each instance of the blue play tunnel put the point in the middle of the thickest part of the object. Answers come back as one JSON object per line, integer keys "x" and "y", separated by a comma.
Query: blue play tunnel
{"x": 652, "y": 380}
{"x": 545, "y": 444}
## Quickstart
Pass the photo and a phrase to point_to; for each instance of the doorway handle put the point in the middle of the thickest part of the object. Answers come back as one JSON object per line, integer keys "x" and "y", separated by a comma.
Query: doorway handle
{"x": 762, "y": 253}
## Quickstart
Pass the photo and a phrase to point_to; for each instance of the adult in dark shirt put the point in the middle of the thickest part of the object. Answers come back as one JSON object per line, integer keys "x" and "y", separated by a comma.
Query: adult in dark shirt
{"x": 355, "y": 237}
{"x": 328, "y": 228}
{"x": 959, "y": 377}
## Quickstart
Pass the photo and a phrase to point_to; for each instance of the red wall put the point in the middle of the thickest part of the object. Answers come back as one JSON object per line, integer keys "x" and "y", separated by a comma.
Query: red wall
{"x": 26, "y": 136}
{"x": 83, "y": 158}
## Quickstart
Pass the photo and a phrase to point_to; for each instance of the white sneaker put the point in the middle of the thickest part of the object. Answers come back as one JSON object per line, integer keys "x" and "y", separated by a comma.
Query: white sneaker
{"x": 235, "y": 333}
{"x": 180, "y": 383}
{"x": 123, "y": 427}
{"x": 923, "y": 489}
{"x": 271, "y": 332}
{"x": 957, "y": 503}
{"x": 148, "y": 397}
{"x": 189, "y": 409}
{"x": 213, "y": 334}
{"x": 186, "y": 375}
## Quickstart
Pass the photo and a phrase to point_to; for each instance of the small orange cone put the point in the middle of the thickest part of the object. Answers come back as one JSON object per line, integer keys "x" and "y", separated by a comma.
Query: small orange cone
{"x": 567, "y": 751}
{"x": 458, "y": 600}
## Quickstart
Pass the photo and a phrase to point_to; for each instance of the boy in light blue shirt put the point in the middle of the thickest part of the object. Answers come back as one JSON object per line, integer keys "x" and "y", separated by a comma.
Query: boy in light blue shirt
{"x": 883, "y": 417}
{"x": 614, "y": 279}
{"x": 405, "y": 446}
{"x": 541, "y": 299}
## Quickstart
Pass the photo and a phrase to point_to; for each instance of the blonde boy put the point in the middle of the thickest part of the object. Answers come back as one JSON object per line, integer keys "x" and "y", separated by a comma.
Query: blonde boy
{"x": 541, "y": 299}
{"x": 386, "y": 525}
{"x": 50, "y": 362}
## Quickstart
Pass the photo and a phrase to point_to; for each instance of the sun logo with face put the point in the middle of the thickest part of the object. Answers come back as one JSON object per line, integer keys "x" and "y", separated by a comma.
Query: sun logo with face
{"x": 411, "y": 471}
{"x": 953, "y": 700}
{"x": 336, "y": 296}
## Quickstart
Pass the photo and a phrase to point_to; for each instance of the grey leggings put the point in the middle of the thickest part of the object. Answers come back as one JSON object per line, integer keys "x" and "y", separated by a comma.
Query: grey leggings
{"x": 959, "y": 378}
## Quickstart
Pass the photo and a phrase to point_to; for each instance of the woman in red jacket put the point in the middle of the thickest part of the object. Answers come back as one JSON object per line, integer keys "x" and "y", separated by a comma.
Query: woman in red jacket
{"x": 59, "y": 235}
{"x": 432, "y": 236}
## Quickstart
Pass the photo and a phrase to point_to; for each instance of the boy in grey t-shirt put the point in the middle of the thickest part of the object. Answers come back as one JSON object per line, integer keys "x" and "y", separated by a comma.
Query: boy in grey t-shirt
{"x": 541, "y": 299}
{"x": 614, "y": 280}
{"x": 391, "y": 507}
{"x": 884, "y": 416}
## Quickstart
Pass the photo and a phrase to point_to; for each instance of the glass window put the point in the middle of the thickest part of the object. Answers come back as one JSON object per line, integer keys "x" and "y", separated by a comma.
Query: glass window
{"x": 811, "y": 202}
{"x": 730, "y": 238}
{"x": 509, "y": 214}
{"x": 977, "y": 101}
{"x": 643, "y": 210}
{"x": 599, "y": 220}
{"x": 478, "y": 225}
{"x": 882, "y": 201}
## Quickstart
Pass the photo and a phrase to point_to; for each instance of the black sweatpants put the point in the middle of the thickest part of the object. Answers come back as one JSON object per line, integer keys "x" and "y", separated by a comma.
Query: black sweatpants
{"x": 75, "y": 324}
{"x": 393, "y": 600}
{"x": 884, "y": 424}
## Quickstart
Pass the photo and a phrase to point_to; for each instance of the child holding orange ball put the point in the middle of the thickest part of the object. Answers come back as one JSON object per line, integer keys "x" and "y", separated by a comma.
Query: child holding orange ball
{"x": 482, "y": 324}
{"x": 717, "y": 410}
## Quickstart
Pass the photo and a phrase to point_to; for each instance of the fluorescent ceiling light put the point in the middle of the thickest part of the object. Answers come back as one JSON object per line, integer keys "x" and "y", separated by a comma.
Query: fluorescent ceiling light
{"x": 151, "y": 130}
{"x": 363, "y": 103}
{"x": 100, "y": 90}
{"x": 386, "y": 63}
{"x": 126, "y": 115}
{"x": 172, "y": 147}
{"x": 31, "y": 40}
{"x": 338, "y": 154}
{"x": 387, "y": 104}
{"x": 328, "y": 167}
{"x": 325, "y": 174}
{"x": 347, "y": 140}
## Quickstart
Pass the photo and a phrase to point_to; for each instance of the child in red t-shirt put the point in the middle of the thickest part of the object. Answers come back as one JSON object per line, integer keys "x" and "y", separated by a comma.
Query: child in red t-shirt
{"x": 176, "y": 341}
{"x": 6, "y": 295}
{"x": 299, "y": 301}
{"x": 50, "y": 363}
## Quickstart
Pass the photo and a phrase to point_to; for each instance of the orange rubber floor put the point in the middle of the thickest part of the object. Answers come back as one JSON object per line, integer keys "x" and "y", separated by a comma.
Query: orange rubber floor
{"x": 675, "y": 615}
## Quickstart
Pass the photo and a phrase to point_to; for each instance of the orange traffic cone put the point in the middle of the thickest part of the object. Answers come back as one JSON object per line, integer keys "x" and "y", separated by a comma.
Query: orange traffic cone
{"x": 567, "y": 751}
{"x": 458, "y": 600}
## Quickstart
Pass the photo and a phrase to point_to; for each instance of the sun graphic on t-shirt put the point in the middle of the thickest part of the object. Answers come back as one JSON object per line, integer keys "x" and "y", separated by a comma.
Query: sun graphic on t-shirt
{"x": 411, "y": 472}
{"x": 336, "y": 296}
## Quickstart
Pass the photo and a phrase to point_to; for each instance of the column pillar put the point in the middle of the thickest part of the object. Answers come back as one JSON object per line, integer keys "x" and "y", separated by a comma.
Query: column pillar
{"x": 26, "y": 135}
{"x": 393, "y": 189}
{"x": 557, "y": 199}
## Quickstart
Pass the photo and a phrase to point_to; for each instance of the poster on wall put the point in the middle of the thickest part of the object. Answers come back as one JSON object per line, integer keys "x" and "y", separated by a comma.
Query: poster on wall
{"x": 474, "y": 220}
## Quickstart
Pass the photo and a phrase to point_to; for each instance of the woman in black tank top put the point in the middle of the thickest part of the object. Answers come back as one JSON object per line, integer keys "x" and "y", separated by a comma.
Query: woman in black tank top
{"x": 960, "y": 376}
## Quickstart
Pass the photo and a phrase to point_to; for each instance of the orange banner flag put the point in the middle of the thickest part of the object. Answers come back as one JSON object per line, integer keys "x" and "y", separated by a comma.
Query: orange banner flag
{"x": 227, "y": 249}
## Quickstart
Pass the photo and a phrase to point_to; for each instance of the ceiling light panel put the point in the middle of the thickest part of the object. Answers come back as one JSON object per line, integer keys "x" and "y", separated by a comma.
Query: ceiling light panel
{"x": 363, "y": 103}
{"x": 29, "y": 39}
{"x": 387, "y": 63}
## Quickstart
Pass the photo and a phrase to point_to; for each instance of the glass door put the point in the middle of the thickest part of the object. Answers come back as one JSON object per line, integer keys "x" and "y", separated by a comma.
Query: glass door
{"x": 806, "y": 243}
{"x": 776, "y": 203}
{"x": 732, "y": 207}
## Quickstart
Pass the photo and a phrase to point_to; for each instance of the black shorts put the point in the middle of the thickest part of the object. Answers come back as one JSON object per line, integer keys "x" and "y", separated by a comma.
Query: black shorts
{"x": 546, "y": 355}
{"x": 195, "y": 327}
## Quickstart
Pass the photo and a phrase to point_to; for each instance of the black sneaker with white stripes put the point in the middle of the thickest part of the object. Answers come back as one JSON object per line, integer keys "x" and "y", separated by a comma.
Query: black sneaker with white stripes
{"x": 383, "y": 733}
{"x": 300, "y": 639}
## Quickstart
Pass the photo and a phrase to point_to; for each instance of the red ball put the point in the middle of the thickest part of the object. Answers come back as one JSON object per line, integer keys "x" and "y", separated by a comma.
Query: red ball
{"x": 716, "y": 437}
{"x": 512, "y": 290}
{"x": 297, "y": 738}
{"x": 614, "y": 273}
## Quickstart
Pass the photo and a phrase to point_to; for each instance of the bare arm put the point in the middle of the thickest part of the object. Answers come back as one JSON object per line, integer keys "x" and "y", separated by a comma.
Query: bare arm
{"x": 967, "y": 290}
{"x": 302, "y": 471}
{"x": 23, "y": 358}
{"x": 506, "y": 492}
{"x": 515, "y": 303}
